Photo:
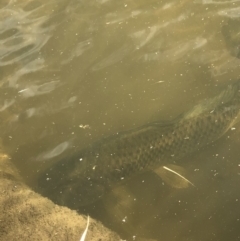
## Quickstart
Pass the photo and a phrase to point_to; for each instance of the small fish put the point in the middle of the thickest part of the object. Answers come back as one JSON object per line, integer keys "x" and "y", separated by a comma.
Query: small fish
{"x": 160, "y": 147}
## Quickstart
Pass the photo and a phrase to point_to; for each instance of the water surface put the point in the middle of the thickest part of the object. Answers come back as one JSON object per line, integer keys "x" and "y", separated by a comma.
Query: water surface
{"x": 72, "y": 72}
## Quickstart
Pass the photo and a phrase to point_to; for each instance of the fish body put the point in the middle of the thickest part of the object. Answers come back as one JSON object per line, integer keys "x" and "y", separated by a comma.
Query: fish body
{"x": 86, "y": 176}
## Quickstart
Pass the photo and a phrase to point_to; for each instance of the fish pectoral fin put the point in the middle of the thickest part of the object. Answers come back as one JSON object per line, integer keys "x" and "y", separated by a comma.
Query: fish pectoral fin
{"x": 173, "y": 175}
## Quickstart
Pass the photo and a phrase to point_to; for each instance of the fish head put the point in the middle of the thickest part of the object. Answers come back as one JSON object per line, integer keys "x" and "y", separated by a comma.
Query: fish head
{"x": 71, "y": 183}
{"x": 77, "y": 193}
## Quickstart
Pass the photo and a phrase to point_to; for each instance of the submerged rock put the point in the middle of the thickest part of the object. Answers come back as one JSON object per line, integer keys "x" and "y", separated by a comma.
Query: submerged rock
{"x": 25, "y": 215}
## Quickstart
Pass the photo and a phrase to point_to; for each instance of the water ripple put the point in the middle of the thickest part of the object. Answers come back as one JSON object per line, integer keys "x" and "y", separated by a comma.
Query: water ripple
{"x": 22, "y": 36}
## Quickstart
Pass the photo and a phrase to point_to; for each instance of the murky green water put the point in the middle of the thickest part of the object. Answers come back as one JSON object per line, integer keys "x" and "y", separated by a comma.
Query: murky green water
{"x": 74, "y": 71}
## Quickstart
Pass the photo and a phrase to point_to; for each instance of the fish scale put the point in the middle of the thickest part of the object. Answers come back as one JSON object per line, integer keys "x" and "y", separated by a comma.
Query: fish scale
{"x": 84, "y": 177}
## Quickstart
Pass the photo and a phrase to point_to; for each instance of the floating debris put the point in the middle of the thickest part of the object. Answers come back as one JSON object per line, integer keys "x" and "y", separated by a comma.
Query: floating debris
{"x": 85, "y": 231}
{"x": 84, "y": 126}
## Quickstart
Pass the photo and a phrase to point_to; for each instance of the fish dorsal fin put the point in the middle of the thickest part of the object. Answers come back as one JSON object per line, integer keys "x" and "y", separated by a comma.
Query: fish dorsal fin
{"x": 212, "y": 103}
{"x": 173, "y": 175}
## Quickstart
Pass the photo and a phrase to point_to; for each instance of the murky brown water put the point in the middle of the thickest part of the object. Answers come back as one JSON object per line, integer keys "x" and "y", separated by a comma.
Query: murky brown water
{"x": 74, "y": 71}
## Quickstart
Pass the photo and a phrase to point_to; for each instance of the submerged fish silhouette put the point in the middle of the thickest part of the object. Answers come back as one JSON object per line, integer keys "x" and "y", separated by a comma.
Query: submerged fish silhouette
{"x": 87, "y": 175}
